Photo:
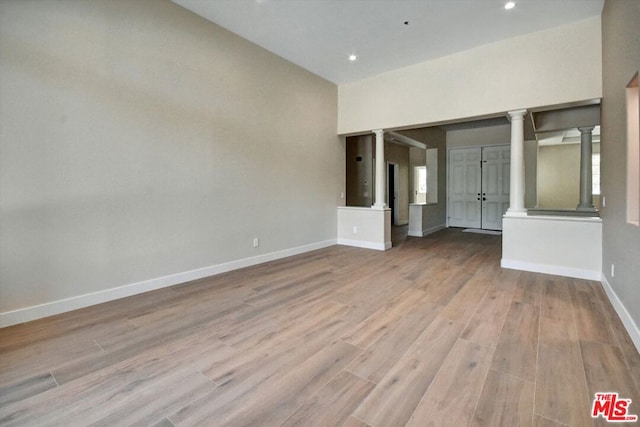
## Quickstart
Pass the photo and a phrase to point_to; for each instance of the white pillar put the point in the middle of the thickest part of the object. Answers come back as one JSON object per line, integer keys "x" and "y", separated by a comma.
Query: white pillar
{"x": 380, "y": 175}
{"x": 516, "y": 185}
{"x": 586, "y": 177}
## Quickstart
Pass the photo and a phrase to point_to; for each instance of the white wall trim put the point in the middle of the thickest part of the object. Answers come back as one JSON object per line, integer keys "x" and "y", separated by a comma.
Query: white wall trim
{"x": 551, "y": 269}
{"x": 428, "y": 231}
{"x": 61, "y": 306}
{"x": 365, "y": 245}
{"x": 624, "y": 315}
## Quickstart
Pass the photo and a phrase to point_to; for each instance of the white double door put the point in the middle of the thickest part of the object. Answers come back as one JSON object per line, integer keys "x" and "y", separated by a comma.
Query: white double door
{"x": 478, "y": 182}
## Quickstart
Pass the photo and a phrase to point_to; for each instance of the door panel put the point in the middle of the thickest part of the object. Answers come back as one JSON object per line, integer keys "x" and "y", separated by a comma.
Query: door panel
{"x": 464, "y": 187}
{"x": 495, "y": 185}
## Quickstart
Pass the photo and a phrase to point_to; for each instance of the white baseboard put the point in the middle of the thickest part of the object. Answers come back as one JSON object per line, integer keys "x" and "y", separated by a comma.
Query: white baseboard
{"x": 428, "y": 231}
{"x": 551, "y": 269}
{"x": 624, "y": 315}
{"x": 61, "y": 306}
{"x": 365, "y": 245}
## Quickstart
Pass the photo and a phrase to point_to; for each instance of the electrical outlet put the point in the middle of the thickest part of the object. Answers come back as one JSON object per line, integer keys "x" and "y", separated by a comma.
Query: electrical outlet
{"x": 613, "y": 270}
{"x": 355, "y": 229}
{"x": 256, "y": 242}
{"x": 604, "y": 201}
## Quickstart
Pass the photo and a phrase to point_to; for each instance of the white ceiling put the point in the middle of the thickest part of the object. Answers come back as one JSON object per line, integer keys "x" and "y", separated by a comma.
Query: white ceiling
{"x": 319, "y": 35}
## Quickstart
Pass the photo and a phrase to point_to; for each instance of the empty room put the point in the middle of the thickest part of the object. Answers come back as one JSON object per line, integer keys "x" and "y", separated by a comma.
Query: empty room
{"x": 361, "y": 213}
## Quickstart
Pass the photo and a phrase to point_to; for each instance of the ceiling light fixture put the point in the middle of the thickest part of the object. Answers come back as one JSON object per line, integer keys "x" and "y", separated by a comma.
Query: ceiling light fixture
{"x": 352, "y": 57}
{"x": 509, "y": 5}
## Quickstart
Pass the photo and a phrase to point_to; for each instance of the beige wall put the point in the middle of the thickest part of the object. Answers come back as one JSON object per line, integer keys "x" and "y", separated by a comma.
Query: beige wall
{"x": 530, "y": 174}
{"x": 558, "y": 168}
{"x": 139, "y": 140}
{"x": 558, "y": 176}
{"x": 621, "y": 60}
{"x": 532, "y": 70}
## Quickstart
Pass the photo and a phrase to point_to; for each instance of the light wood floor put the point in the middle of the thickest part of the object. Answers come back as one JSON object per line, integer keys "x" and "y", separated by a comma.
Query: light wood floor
{"x": 432, "y": 332}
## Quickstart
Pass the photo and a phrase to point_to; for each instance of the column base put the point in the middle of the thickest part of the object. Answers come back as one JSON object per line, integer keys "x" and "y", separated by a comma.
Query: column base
{"x": 519, "y": 212}
{"x": 380, "y": 207}
{"x": 586, "y": 208}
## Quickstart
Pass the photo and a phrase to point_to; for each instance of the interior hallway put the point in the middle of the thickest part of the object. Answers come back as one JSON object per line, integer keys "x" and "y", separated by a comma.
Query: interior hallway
{"x": 431, "y": 332}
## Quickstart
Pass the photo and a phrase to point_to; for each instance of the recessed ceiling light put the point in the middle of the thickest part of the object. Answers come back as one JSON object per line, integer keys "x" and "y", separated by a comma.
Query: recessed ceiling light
{"x": 509, "y": 5}
{"x": 352, "y": 57}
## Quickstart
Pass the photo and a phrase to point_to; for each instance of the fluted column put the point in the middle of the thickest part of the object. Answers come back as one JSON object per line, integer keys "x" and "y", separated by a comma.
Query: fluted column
{"x": 380, "y": 175}
{"x": 586, "y": 177}
{"x": 516, "y": 184}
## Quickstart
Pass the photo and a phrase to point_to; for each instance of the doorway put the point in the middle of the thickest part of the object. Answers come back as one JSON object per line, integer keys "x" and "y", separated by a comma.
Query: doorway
{"x": 478, "y": 183}
{"x": 392, "y": 192}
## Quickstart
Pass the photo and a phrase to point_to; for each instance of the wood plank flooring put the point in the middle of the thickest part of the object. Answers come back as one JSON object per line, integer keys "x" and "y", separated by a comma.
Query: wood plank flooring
{"x": 431, "y": 332}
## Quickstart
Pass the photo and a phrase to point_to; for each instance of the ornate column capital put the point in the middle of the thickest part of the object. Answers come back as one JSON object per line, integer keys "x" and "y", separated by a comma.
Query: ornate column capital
{"x": 517, "y": 114}
{"x": 586, "y": 129}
